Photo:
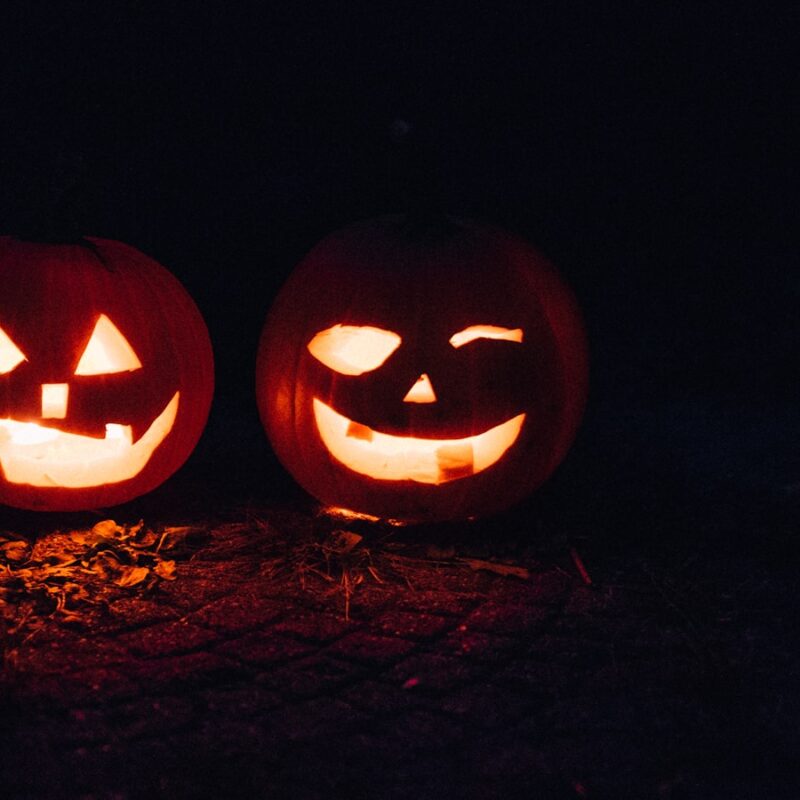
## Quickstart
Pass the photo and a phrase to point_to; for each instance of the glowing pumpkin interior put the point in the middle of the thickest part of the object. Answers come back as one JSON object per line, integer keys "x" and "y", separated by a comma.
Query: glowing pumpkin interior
{"x": 354, "y": 350}
{"x": 42, "y": 455}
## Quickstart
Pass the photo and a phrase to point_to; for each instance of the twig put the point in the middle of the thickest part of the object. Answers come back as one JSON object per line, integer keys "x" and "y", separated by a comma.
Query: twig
{"x": 580, "y": 567}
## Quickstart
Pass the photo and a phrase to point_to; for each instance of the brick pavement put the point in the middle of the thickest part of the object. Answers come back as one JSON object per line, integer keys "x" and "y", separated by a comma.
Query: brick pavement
{"x": 235, "y": 680}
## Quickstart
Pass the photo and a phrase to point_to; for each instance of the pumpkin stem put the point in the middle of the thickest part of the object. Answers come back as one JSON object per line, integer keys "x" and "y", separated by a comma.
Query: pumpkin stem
{"x": 39, "y": 235}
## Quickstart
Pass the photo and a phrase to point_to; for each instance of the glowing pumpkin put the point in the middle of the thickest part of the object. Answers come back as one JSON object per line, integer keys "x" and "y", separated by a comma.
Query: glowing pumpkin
{"x": 422, "y": 373}
{"x": 106, "y": 374}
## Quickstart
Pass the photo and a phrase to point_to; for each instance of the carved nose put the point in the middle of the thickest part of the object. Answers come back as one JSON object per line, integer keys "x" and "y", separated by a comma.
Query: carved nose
{"x": 421, "y": 391}
{"x": 54, "y": 400}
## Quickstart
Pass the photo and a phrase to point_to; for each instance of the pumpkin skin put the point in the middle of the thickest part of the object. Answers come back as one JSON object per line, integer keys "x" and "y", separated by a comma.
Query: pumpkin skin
{"x": 153, "y": 382}
{"x": 424, "y": 284}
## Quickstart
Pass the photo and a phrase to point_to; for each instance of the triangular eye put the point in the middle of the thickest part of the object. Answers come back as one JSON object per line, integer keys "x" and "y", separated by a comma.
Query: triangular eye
{"x": 107, "y": 351}
{"x": 10, "y": 355}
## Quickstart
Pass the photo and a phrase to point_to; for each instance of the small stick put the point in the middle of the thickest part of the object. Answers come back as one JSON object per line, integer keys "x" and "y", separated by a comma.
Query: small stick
{"x": 579, "y": 564}
{"x": 347, "y": 592}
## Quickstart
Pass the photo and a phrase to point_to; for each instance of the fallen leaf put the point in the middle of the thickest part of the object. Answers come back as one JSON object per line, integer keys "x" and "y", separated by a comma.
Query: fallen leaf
{"x": 143, "y": 539}
{"x": 499, "y": 569}
{"x": 85, "y": 537}
{"x": 60, "y": 559}
{"x": 107, "y": 529}
{"x": 60, "y": 572}
{"x": 64, "y": 574}
{"x": 165, "y": 570}
{"x": 344, "y": 541}
{"x": 17, "y": 550}
{"x": 106, "y": 565}
{"x": 75, "y": 592}
{"x": 173, "y": 536}
{"x": 130, "y": 576}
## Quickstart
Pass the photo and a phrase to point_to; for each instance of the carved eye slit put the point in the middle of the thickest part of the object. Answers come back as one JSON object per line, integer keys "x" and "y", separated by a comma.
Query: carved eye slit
{"x": 353, "y": 349}
{"x": 10, "y": 355}
{"x": 107, "y": 351}
{"x": 485, "y": 332}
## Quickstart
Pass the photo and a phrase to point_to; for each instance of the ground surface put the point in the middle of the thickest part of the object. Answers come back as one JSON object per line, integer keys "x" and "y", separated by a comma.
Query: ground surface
{"x": 283, "y": 658}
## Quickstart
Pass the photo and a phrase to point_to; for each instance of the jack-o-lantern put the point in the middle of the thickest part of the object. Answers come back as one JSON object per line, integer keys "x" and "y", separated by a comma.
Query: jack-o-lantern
{"x": 106, "y": 374}
{"x": 421, "y": 372}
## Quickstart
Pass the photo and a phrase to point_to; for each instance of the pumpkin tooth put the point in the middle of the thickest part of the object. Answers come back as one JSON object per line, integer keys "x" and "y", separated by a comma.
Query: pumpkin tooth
{"x": 455, "y": 461}
{"x": 358, "y": 431}
{"x": 116, "y": 431}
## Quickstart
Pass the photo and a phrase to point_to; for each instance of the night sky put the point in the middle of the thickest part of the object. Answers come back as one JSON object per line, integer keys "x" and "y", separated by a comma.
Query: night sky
{"x": 647, "y": 151}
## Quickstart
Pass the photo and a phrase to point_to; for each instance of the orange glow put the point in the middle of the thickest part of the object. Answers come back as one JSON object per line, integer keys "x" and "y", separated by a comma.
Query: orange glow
{"x": 485, "y": 332}
{"x": 353, "y": 349}
{"x": 421, "y": 391}
{"x": 41, "y": 456}
{"x": 400, "y": 458}
{"x": 10, "y": 355}
{"x": 54, "y": 400}
{"x": 107, "y": 351}
{"x": 346, "y": 513}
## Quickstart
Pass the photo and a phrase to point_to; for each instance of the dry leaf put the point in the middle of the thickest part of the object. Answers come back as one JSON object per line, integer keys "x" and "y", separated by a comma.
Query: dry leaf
{"x": 344, "y": 541}
{"x": 85, "y": 537}
{"x": 165, "y": 570}
{"x": 76, "y": 592}
{"x": 130, "y": 576}
{"x": 143, "y": 539}
{"x": 63, "y": 574}
{"x": 105, "y": 564}
{"x": 59, "y": 572}
{"x": 172, "y": 537}
{"x": 107, "y": 529}
{"x": 17, "y": 550}
{"x": 499, "y": 569}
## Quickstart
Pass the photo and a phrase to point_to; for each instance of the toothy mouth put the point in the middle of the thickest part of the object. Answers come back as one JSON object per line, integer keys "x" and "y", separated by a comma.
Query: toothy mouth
{"x": 40, "y": 456}
{"x": 385, "y": 457}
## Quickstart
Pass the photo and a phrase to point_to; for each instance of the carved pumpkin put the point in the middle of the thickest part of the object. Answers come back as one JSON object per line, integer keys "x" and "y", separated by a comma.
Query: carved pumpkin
{"x": 106, "y": 374}
{"x": 421, "y": 373}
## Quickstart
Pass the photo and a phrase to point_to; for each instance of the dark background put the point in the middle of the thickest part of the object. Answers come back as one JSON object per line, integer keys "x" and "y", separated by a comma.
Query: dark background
{"x": 647, "y": 151}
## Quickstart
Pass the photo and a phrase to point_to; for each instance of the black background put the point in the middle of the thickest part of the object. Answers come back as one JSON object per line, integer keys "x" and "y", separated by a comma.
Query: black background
{"x": 646, "y": 150}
